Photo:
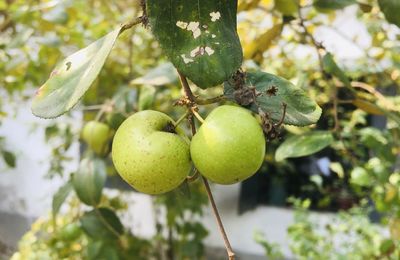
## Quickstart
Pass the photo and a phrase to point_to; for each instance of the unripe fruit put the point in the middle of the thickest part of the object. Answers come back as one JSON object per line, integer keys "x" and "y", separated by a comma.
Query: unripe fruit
{"x": 148, "y": 155}
{"x": 70, "y": 232}
{"x": 97, "y": 136}
{"x": 230, "y": 145}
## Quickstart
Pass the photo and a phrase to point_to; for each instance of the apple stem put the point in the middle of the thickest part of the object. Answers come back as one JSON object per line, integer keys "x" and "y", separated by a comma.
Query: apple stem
{"x": 197, "y": 115}
{"x": 193, "y": 177}
{"x": 189, "y": 95}
{"x": 181, "y": 118}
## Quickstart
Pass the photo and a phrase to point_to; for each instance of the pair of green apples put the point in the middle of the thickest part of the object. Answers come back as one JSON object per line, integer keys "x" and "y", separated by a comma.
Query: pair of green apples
{"x": 229, "y": 147}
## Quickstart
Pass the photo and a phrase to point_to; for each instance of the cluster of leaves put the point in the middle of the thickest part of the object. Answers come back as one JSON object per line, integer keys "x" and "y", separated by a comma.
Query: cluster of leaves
{"x": 348, "y": 235}
{"x": 185, "y": 232}
{"x": 98, "y": 234}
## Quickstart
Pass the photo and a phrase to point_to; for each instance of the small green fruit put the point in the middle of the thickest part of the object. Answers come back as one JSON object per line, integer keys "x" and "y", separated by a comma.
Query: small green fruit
{"x": 70, "y": 232}
{"x": 97, "y": 136}
{"x": 150, "y": 154}
{"x": 230, "y": 145}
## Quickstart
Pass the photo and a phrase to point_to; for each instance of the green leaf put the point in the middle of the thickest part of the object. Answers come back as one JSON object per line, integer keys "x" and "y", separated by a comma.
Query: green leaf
{"x": 9, "y": 158}
{"x": 391, "y": 10}
{"x": 161, "y": 75}
{"x": 59, "y": 197}
{"x": 331, "y": 67}
{"x": 372, "y": 137}
{"x": 89, "y": 180}
{"x": 101, "y": 250}
{"x": 146, "y": 97}
{"x": 387, "y": 247}
{"x": 303, "y": 145}
{"x": 301, "y": 110}
{"x": 199, "y": 37}
{"x": 360, "y": 176}
{"x": 72, "y": 78}
{"x": 93, "y": 249}
{"x": 101, "y": 224}
{"x": 333, "y": 4}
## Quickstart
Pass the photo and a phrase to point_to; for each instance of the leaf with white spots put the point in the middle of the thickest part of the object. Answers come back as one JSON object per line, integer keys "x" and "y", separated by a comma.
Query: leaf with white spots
{"x": 72, "y": 78}
{"x": 199, "y": 37}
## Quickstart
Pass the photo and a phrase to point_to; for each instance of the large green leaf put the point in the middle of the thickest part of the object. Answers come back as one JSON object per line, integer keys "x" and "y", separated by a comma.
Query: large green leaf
{"x": 331, "y": 67}
{"x": 72, "y": 77}
{"x": 59, "y": 197}
{"x": 89, "y": 180}
{"x": 199, "y": 37}
{"x": 391, "y": 10}
{"x": 101, "y": 224}
{"x": 102, "y": 250}
{"x": 302, "y": 145}
{"x": 301, "y": 110}
{"x": 333, "y": 4}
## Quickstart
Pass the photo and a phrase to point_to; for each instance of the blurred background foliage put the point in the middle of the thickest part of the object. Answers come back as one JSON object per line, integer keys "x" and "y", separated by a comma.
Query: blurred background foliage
{"x": 359, "y": 98}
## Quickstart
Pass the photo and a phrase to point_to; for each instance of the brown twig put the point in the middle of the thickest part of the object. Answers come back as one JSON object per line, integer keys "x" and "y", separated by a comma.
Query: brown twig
{"x": 336, "y": 127}
{"x": 213, "y": 100}
{"x": 197, "y": 115}
{"x": 136, "y": 21}
{"x": 189, "y": 95}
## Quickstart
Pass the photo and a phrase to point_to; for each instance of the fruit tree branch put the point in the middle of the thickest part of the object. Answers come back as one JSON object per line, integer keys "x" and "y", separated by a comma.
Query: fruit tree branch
{"x": 189, "y": 95}
{"x": 210, "y": 101}
{"x": 141, "y": 19}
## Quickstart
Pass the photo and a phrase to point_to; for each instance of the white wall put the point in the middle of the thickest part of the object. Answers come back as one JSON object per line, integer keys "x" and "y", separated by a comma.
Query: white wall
{"x": 24, "y": 190}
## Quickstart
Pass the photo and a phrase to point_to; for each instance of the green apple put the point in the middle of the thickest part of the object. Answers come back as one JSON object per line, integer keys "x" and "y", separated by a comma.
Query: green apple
{"x": 150, "y": 154}
{"x": 229, "y": 146}
{"x": 97, "y": 135}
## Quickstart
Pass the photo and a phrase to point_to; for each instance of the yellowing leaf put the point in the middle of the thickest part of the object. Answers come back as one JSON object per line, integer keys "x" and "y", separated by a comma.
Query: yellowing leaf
{"x": 245, "y": 5}
{"x": 263, "y": 42}
{"x": 287, "y": 7}
{"x": 368, "y": 107}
